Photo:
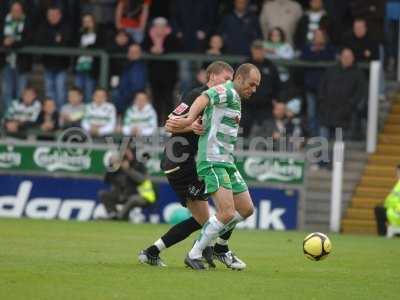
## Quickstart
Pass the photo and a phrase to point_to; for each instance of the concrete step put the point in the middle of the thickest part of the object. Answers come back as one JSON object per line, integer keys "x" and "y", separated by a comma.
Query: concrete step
{"x": 360, "y": 213}
{"x": 366, "y": 202}
{"x": 371, "y": 192}
{"x": 389, "y": 139}
{"x": 388, "y": 149}
{"x": 375, "y": 181}
{"x": 380, "y": 171}
{"x": 314, "y": 185}
{"x": 393, "y": 119}
{"x": 382, "y": 159}
{"x": 391, "y": 129}
{"x": 357, "y": 229}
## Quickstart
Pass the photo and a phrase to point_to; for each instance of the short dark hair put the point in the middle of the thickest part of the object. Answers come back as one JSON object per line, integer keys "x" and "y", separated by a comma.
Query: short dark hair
{"x": 245, "y": 69}
{"x": 76, "y": 89}
{"x": 217, "y": 67}
{"x": 398, "y": 167}
{"x": 101, "y": 89}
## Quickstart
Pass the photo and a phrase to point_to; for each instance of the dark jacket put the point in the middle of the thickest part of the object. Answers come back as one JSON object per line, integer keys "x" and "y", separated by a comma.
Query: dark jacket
{"x": 94, "y": 70}
{"x": 202, "y": 17}
{"x": 300, "y": 38}
{"x": 269, "y": 88}
{"x": 133, "y": 79}
{"x": 125, "y": 181}
{"x": 312, "y": 76}
{"x": 341, "y": 92}
{"x": 238, "y": 33}
{"x": 359, "y": 46}
{"x": 47, "y": 37}
{"x": 159, "y": 70}
{"x": 53, "y": 118}
{"x": 24, "y": 61}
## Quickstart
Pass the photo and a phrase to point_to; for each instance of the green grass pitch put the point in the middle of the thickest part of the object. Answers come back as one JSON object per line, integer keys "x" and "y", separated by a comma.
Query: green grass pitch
{"x": 98, "y": 260}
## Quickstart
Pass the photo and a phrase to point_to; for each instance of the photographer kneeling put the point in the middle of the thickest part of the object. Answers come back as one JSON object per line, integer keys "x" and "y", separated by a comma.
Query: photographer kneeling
{"x": 129, "y": 187}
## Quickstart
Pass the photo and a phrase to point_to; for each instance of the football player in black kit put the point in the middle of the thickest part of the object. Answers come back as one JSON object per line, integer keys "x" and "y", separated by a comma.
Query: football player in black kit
{"x": 179, "y": 166}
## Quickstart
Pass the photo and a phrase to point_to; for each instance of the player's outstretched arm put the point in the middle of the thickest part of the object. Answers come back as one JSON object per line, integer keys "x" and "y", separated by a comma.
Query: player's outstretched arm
{"x": 195, "y": 110}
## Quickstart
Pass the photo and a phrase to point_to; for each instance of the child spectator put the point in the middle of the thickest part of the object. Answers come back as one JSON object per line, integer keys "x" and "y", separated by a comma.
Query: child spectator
{"x": 215, "y": 45}
{"x": 141, "y": 118}
{"x": 284, "y": 14}
{"x": 276, "y": 46}
{"x": 55, "y": 33}
{"x": 133, "y": 78}
{"x": 48, "y": 118}
{"x": 87, "y": 66}
{"x": 72, "y": 113}
{"x": 15, "y": 33}
{"x": 132, "y": 16}
{"x": 100, "y": 116}
{"x": 23, "y": 114}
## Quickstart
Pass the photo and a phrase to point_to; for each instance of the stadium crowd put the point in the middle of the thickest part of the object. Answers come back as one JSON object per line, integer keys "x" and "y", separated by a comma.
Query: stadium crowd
{"x": 301, "y": 102}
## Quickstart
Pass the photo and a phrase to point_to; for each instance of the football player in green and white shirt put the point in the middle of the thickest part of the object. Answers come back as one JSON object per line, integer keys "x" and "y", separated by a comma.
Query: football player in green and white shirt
{"x": 215, "y": 162}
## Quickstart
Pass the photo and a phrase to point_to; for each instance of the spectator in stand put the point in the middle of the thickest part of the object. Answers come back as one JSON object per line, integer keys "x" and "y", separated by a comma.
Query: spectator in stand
{"x": 364, "y": 48}
{"x": 313, "y": 19}
{"x": 342, "y": 92}
{"x": 121, "y": 42}
{"x": 392, "y": 28}
{"x": 162, "y": 74}
{"x": 274, "y": 127}
{"x": 284, "y": 14}
{"x": 276, "y": 46}
{"x": 215, "y": 45}
{"x": 132, "y": 15}
{"x": 141, "y": 118}
{"x": 23, "y": 113}
{"x": 100, "y": 116}
{"x": 55, "y": 33}
{"x": 373, "y": 11}
{"x": 48, "y": 118}
{"x": 259, "y": 107}
{"x": 87, "y": 67}
{"x": 319, "y": 50}
{"x": 133, "y": 78}
{"x": 72, "y": 113}
{"x": 16, "y": 33}
{"x": 193, "y": 28}
{"x": 295, "y": 125}
{"x": 103, "y": 11}
{"x": 239, "y": 29}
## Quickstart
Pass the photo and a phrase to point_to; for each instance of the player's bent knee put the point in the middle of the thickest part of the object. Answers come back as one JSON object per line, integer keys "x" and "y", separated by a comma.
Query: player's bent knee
{"x": 247, "y": 212}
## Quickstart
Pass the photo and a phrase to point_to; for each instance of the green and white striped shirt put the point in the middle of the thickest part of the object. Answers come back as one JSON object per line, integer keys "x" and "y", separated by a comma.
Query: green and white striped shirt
{"x": 221, "y": 119}
{"x": 145, "y": 120}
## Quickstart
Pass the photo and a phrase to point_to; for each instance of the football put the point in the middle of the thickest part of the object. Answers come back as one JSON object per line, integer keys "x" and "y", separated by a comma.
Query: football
{"x": 316, "y": 246}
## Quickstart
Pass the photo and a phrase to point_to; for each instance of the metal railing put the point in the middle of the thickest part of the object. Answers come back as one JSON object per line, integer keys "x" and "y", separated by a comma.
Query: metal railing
{"x": 105, "y": 57}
